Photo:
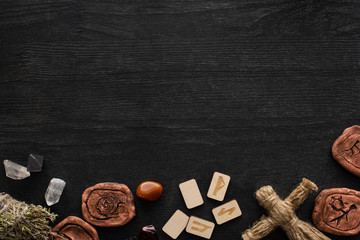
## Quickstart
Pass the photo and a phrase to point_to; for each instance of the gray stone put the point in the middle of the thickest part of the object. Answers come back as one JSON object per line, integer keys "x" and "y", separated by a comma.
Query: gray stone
{"x": 15, "y": 171}
{"x": 35, "y": 163}
{"x": 54, "y": 191}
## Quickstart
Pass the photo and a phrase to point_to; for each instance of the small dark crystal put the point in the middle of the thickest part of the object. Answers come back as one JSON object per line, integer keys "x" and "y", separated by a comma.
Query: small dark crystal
{"x": 148, "y": 233}
{"x": 35, "y": 163}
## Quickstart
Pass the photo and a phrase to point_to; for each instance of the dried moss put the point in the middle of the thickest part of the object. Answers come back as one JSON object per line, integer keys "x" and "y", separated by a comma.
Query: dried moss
{"x": 21, "y": 221}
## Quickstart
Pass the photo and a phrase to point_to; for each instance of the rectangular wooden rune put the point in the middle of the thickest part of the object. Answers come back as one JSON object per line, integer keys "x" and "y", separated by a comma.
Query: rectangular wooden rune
{"x": 191, "y": 194}
{"x": 226, "y": 212}
{"x": 200, "y": 227}
{"x": 218, "y": 186}
{"x": 176, "y": 224}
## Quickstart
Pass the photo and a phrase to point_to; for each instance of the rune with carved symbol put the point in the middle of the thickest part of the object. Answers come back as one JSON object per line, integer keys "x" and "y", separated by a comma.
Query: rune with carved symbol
{"x": 346, "y": 149}
{"x": 108, "y": 204}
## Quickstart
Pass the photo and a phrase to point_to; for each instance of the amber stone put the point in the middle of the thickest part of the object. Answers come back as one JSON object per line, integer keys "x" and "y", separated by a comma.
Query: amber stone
{"x": 346, "y": 149}
{"x": 149, "y": 190}
{"x": 74, "y": 228}
{"x": 148, "y": 233}
{"x": 108, "y": 205}
{"x": 337, "y": 211}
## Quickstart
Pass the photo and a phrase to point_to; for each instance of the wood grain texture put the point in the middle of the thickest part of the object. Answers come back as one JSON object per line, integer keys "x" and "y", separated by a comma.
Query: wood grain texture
{"x": 111, "y": 90}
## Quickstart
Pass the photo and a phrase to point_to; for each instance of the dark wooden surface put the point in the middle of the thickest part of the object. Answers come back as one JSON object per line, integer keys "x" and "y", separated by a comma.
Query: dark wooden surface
{"x": 128, "y": 91}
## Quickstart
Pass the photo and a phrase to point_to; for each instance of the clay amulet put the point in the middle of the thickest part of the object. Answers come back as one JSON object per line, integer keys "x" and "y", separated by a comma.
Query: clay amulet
{"x": 149, "y": 190}
{"x": 75, "y": 228}
{"x": 108, "y": 205}
{"x": 337, "y": 211}
{"x": 346, "y": 150}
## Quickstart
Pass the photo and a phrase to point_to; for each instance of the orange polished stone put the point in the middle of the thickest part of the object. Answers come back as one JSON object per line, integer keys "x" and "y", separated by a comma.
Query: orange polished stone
{"x": 149, "y": 190}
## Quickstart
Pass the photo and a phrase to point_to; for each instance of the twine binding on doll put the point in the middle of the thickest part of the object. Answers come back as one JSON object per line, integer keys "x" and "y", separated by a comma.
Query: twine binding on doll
{"x": 282, "y": 213}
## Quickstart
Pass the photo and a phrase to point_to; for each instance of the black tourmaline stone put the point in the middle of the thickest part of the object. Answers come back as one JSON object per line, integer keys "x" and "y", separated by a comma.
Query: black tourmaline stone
{"x": 148, "y": 233}
{"x": 35, "y": 163}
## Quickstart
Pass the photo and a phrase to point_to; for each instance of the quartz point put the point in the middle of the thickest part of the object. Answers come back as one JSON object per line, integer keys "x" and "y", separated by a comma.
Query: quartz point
{"x": 15, "y": 171}
{"x": 35, "y": 163}
{"x": 54, "y": 191}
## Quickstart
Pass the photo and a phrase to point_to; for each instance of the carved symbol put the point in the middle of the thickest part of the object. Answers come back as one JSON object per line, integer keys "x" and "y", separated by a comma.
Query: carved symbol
{"x": 66, "y": 237}
{"x": 106, "y": 205}
{"x": 339, "y": 205}
{"x": 229, "y": 211}
{"x": 203, "y": 229}
{"x": 219, "y": 185}
{"x": 354, "y": 149}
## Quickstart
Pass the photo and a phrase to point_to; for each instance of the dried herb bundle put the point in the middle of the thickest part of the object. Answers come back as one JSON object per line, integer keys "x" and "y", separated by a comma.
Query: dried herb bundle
{"x": 21, "y": 221}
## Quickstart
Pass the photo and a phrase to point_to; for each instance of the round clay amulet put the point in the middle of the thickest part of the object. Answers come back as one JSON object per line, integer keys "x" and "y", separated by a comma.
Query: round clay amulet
{"x": 337, "y": 211}
{"x": 346, "y": 149}
{"x": 108, "y": 205}
{"x": 75, "y": 228}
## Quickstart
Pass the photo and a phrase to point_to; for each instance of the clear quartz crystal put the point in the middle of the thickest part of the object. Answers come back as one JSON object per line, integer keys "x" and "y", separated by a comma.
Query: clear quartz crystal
{"x": 15, "y": 171}
{"x": 54, "y": 191}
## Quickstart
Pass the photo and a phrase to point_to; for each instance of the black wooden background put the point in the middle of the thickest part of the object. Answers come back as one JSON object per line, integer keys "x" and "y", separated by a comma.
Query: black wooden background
{"x": 128, "y": 91}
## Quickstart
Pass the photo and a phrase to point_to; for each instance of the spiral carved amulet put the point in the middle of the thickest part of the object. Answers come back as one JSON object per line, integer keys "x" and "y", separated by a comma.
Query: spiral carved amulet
{"x": 346, "y": 150}
{"x": 108, "y": 205}
{"x": 75, "y": 228}
{"x": 337, "y": 211}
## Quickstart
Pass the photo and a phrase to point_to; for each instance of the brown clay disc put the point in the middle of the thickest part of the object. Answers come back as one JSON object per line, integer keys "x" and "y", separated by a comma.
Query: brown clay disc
{"x": 337, "y": 211}
{"x": 346, "y": 149}
{"x": 75, "y": 228}
{"x": 108, "y": 205}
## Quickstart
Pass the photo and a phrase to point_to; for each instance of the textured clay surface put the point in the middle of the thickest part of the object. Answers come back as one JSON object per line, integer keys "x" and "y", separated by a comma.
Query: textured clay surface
{"x": 337, "y": 211}
{"x": 75, "y": 228}
{"x": 346, "y": 149}
{"x": 108, "y": 204}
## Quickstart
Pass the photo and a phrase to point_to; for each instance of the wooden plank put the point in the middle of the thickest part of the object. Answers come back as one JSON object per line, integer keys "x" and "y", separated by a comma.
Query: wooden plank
{"x": 167, "y": 90}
